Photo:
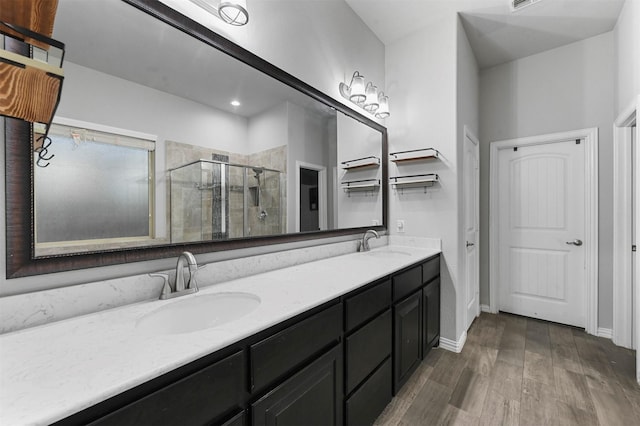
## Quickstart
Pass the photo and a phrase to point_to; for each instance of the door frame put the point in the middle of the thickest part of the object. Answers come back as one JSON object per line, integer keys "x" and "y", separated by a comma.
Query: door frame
{"x": 590, "y": 136}
{"x": 622, "y": 227}
{"x": 469, "y": 134}
{"x": 322, "y": 193}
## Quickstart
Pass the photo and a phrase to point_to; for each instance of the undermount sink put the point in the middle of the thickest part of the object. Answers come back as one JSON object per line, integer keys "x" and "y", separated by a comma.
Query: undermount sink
{"x": 198, "y": 313}
{"x": 387, "y": 252}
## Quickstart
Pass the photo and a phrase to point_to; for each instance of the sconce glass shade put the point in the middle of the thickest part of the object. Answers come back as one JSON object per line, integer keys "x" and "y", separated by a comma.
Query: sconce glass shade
{"x": 366, "y": 97}
{"x": 233, "y": 12}
{"x": 357, "y": 93}
{"x": 383, "y": 108}
{"x": 371, "y": 102}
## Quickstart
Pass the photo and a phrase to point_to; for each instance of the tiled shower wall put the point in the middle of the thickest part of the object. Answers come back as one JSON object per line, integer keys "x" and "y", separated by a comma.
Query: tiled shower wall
{"x": 193, "y": 209}
{"x": 273, "y": 197}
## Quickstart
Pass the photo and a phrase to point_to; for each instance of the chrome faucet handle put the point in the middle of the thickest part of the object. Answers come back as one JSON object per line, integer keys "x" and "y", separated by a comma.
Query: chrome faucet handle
{"x": 193, "y": 284}
{"x": 166, "y": 288}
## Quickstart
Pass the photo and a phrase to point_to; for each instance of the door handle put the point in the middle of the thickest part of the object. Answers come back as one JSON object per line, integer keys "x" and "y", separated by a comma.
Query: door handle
{"x": 470, "y": 244}
{"x": 575, "y": 242}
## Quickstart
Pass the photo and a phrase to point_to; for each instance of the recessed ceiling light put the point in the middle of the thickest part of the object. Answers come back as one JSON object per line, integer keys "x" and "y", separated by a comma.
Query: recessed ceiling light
{"x": 235, "y": 103}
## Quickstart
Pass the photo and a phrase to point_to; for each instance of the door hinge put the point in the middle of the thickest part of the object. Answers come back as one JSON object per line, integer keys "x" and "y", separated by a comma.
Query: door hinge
{"x": 577, "y": 141}
{"x": 633, "y": 247}
{"x": 515, "y": 148}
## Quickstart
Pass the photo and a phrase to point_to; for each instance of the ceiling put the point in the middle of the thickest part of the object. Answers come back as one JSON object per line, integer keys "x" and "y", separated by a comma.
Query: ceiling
{"x": 155, "y": 55}
{"x": 496, "y": 34}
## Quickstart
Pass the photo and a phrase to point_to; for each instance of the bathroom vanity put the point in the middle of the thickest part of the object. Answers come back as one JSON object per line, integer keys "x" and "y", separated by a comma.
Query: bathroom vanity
{"x": 330, "y": 343}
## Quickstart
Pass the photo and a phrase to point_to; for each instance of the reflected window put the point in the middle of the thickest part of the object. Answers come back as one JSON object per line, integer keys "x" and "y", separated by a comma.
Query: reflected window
{"x": 96, "y": 190}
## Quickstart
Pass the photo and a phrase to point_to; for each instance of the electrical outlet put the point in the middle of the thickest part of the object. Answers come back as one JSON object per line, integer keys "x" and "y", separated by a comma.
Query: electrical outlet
{"x": 400, "y": 226}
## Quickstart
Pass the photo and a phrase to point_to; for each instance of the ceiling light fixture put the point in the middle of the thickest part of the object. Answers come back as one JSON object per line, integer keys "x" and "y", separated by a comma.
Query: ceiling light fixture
{"x": 233, "y": 12}
{"x": 235, "y": 103}
{"x": 365, "y": 96}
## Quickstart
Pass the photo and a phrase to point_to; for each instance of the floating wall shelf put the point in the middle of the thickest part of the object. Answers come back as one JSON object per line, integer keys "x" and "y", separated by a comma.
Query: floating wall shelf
{"x": 414, "y": 181}
{"x": 361, "y": 163}
{"x": 33, "y": 75}
{"x": 361, "y": 185}
{"x": 414, "y": 155}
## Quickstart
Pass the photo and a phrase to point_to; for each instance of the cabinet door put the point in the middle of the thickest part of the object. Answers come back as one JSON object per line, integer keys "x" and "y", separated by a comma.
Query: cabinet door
{"x": 311, "y": 397}
{"x": 431, "y": 316}
{"x": 408, "y": 337}
{"x": 237, "y": 420}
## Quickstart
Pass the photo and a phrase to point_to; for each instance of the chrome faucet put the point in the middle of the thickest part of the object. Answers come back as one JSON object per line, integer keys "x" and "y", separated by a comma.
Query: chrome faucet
{"x": 181, "y": 287}
{"x": 364, "y": 244}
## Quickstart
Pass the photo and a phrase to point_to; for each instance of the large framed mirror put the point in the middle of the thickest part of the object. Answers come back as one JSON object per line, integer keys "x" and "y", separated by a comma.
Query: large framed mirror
{"x": 169, "y": 137}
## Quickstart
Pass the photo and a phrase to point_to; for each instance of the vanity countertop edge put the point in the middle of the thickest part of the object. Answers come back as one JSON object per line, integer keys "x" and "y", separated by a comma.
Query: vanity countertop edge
{"x": 52, "y": 371}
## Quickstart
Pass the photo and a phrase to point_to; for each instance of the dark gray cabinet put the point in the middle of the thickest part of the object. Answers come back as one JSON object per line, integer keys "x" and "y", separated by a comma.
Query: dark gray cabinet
{"x": 337, "y": 363}
{"x": 365, "y": 405}
{"x": 430, "y": 316}
{"x": 200, "y": 398}
{"x": 311, "y": 397}
{"x": 368, "y": 347}
{"x": 273, "y": 357}
{"x": 416, "y": 317}
{"x": 407, "y": 318}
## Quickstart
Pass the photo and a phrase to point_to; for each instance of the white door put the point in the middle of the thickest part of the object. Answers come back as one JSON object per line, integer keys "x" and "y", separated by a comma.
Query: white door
{"x": 541, "y": 232}
{"x": 635, "y": 155}
{"x": 471, "y": 224}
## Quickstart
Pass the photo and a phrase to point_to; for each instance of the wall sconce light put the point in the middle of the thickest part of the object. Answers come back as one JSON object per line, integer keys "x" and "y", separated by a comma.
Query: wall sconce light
{"x": 366, "y": 96}
{"x": 233, "y": 12}
{"x": 383, "y": 109}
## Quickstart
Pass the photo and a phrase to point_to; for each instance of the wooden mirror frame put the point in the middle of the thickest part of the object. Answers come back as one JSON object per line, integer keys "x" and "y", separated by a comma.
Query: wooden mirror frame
{"x": 19, "y": 207}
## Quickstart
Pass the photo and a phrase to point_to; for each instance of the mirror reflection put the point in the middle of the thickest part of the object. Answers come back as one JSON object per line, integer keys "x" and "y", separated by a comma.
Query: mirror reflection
{"x": 162, "y": 139}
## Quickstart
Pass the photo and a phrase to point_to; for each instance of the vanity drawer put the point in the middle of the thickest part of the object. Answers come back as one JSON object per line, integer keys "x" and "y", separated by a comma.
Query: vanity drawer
{"x": 366, "y": 348}
{"x": 199, "y": 398}
{"x": 430, "y": 269}
{"x": 366, "y": 404}
{"x": 407, "y": 282}
{"x": 312, "y": 396}
{"x": 274, "y": 356}
{"x": 365, "y": 305}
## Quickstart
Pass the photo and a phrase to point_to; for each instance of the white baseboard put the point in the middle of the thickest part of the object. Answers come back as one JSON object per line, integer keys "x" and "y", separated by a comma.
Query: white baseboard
{"x": 453, "y": 345}
{"x": 485, "y": 308}
{"x": 605, "y": 332}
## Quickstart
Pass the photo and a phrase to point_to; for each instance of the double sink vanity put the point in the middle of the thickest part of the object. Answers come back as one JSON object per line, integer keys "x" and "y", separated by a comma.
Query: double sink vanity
{"x": 324, "y": 342}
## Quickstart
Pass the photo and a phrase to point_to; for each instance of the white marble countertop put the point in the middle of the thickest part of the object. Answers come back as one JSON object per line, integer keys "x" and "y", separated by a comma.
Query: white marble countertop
{"x": 52, "y": 371}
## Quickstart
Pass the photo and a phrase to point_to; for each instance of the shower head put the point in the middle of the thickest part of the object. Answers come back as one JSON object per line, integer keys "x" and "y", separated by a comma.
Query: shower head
{"x": 258, "y": 171}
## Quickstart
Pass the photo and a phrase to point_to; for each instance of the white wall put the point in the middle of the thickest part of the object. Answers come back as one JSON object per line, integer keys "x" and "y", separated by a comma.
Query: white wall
{"x": 356, "y": 140}
{"x": 307, "y": 133}
{"x": 467, "y": 105}
{"x": 269, "y": 129}
{"x": 627, "y": 49}
{"x": 567, "y": 88}
{"x": 421, "y": 84}
{"x": 321, "y": 43}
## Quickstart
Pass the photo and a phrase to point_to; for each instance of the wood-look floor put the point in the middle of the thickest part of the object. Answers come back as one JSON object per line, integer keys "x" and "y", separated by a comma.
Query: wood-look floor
{"x": 521, "y": 371}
